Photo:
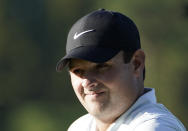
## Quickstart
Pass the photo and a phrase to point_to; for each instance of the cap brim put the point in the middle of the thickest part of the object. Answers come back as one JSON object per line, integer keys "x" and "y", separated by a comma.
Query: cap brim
{"x": 93, "y": 54}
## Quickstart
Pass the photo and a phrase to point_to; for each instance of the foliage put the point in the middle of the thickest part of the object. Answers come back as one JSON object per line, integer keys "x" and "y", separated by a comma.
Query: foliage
{"x": 34, "y": 97}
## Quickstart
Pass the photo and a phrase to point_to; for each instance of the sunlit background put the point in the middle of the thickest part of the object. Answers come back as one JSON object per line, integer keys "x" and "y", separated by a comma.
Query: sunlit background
{"x": 34, "y": 97}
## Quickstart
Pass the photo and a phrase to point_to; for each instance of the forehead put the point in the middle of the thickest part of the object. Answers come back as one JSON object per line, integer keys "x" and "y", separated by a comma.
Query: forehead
{"x": 79, "y": 62}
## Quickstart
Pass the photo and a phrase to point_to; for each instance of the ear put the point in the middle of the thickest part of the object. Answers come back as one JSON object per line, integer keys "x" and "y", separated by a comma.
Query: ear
{"x": 138, "y": 62}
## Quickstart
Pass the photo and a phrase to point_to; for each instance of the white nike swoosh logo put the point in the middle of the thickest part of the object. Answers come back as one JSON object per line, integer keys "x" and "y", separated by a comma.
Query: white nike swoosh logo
{"x": 78, "y": 35}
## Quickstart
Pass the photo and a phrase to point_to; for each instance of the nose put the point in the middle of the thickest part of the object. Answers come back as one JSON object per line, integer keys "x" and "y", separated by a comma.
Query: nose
{"x": 87, "y": 83}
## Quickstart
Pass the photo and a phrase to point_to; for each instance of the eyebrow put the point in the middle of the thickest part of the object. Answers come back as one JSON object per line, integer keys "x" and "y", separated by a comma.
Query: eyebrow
{"x": 104, "y": 64}
{"x": 107, "y": 63}
{"x": 71, "y": 65}
{"x": 101, "y": 64}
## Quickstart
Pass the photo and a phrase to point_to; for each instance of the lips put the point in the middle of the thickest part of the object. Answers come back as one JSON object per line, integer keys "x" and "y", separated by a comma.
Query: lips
{"x": 94, "y": 92}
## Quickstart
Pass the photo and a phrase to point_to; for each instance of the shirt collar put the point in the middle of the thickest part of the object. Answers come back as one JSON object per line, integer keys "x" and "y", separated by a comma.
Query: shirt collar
{"x": 147, "y": 97}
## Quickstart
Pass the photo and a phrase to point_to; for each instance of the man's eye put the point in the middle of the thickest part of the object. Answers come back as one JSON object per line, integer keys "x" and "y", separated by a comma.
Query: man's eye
{"x": 78, "y": 71}
{"x": 102, "y": 66}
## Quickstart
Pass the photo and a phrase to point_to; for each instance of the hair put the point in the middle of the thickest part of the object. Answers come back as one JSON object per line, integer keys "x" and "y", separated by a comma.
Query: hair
{"x": 127, "y": 56}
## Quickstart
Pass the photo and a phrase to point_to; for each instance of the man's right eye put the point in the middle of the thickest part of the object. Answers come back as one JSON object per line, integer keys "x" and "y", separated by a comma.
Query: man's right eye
{"x": 78, "y": 72}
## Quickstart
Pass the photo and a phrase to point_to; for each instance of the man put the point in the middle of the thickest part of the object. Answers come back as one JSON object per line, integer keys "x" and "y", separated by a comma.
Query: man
{"x": 107, "y": 70}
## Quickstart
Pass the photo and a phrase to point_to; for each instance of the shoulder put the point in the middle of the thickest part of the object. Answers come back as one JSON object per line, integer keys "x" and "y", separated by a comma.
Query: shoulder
{"x": 155, "y": 117}
{"x": 159, "y": 124}
{"x": 83, "y": 123}
{"x": 148, "y": 115}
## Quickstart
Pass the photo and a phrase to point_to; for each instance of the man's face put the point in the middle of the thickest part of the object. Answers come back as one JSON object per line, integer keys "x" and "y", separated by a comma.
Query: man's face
{"x": 106, "y": 90}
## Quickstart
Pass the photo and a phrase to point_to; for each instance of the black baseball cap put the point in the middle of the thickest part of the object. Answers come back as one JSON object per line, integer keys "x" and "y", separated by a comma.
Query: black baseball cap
{"x": 99, "y": 36}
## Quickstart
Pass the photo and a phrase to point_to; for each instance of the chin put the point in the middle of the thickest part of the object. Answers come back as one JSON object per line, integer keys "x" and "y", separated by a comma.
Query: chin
{"x": 96, "y": 109}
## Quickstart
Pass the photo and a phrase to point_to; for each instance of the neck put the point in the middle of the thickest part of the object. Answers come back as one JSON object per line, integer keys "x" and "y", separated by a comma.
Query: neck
{"x": 102, "y": 125}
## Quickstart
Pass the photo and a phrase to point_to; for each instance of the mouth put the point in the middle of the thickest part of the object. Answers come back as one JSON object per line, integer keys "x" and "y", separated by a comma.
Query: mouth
{"x": 95, "y": 93}
{"x": 95, "y": 96}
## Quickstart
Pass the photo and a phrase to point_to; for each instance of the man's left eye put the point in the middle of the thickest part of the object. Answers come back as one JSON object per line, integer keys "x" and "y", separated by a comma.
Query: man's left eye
{"x": 102, "y": 66}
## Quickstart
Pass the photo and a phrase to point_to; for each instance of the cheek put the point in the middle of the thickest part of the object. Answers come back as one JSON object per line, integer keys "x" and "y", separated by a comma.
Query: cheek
{"x": 113, "y": 76}
{"x": 76, "y": 84}
{"x": 118, "y": 78}
{"x": 107, "y": 77}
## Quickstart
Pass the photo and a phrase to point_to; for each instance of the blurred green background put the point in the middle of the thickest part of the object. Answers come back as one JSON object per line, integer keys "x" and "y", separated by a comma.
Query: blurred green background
{"x": 34, "y": 97}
